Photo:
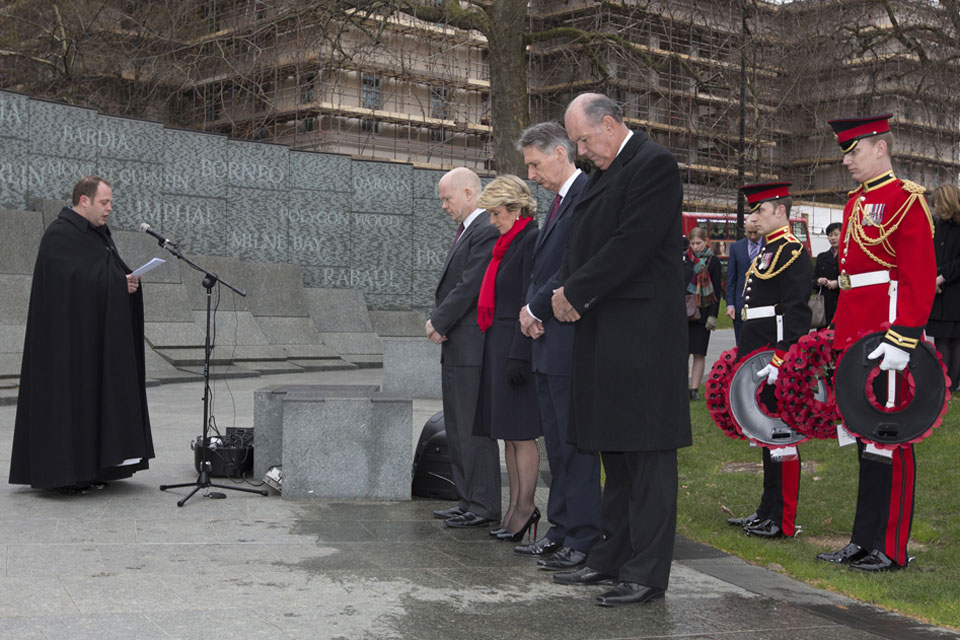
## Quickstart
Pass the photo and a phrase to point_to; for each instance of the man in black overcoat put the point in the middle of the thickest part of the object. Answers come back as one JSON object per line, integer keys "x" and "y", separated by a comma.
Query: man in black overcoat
{"x": 574, "y": 504}
{"x": 82, "y": 407}
{"x": 453, "y": 324}
{"x": 622, "y": 287}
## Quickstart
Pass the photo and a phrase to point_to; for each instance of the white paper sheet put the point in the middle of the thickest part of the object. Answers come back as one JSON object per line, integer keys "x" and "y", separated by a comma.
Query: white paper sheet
{"x": 150, "y": 266}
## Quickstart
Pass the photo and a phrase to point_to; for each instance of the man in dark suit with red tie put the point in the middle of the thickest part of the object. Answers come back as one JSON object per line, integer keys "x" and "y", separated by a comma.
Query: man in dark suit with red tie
{"x": 453, "y": 324}
{"x": 622, "y": 288}
{"x": 574, "y": 504}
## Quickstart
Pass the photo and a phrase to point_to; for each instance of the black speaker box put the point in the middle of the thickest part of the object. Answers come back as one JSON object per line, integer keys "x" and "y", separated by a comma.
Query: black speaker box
{"x": 432, "y": 470}
{"x": 230, "y": 457}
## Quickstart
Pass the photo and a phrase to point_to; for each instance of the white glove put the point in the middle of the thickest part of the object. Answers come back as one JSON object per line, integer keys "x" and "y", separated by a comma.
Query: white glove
{"x": 893, "y": 357}
{"x": 710, "y": 323}
{"x": 770, "y": 372}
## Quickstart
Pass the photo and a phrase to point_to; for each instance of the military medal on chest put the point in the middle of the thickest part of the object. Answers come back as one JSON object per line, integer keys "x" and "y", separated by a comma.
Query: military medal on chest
{"x": 873, "y": 214}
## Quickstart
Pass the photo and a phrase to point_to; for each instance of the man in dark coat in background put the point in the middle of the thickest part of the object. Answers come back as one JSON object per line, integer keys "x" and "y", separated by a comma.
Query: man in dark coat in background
{"x": 82, "y": 407}
{"x": 622, "y": 286}
{"x": 453, "y": 324}
{"x": 574, "y": 504}
{"x": 742, "y": 253}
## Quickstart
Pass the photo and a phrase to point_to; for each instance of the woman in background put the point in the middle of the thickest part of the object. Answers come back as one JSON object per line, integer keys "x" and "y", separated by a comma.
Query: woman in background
{"x": 507, "y": 408}
{"x": 703, "y": 276}
{"x": 944, "y": 323}
{"x": 827, "y": 271}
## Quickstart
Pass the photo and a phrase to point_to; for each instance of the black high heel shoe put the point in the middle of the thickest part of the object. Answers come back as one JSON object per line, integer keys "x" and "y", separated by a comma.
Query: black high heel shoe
{"x": 508, "y": 536}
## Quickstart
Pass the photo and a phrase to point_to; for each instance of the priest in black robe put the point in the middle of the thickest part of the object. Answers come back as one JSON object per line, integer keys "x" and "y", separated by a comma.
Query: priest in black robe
{"x": 82, "y": 406}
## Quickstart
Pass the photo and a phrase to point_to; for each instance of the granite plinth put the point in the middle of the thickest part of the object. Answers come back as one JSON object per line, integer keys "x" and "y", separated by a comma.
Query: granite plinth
{"x": 165, "y": 302}
{"x": 11, "y": 338}
{"x": 233, "y": 327}
{"x": 274, "y": 290}
{"x": 289, "y": 331}
{"x": 411, "y": 366}
{"x": 175, "y": 335}
{"x": 398, "y": 323}
{"x": 16, "y": 298}
{"x": 336, "y": 441}
{"x": 48, "y": 208}
{"x": 137, "y": 249}
{"x": 354, "y": 343}
{"x": 338, "y": 310}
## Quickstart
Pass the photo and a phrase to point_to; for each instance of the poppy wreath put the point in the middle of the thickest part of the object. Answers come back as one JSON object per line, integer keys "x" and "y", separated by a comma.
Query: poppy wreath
{"x": 904, "y": 398}
{"x": 718, "y": 402}
{"x": 809, "y": 361}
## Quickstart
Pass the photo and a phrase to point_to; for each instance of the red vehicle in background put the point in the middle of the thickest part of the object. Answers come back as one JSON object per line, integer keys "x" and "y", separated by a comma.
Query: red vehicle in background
{"x": 722, "y": 230}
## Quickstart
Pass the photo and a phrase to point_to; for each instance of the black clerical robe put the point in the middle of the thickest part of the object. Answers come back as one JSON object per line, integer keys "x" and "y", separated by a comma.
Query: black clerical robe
{"x": 82, "y": 404}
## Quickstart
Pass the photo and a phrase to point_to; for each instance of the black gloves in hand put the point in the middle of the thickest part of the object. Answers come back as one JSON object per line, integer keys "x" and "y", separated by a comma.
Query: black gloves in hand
{"x": 517, "y": 372}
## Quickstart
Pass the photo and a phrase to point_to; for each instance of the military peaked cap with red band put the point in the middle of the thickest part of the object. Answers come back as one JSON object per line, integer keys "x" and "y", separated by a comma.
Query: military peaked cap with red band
{"x": 849, "y": 131}
{"x": 757, "y": 194}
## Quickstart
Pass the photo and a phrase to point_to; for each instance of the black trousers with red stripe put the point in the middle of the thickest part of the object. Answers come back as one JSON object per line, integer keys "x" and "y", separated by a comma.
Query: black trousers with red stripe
{"x": 885, "y": 504}
{"x": 781, "y": 492}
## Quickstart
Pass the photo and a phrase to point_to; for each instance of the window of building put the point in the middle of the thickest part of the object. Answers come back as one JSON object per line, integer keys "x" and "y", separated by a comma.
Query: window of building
{"x": 308, "y": 124}
{"x": 307, "y": 87}
{"x": 370, "y": 99}
{"x": 440, "y": 103}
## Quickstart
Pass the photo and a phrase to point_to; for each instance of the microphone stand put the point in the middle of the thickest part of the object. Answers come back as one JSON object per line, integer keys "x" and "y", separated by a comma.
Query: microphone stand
{"x": 203, "y": 480}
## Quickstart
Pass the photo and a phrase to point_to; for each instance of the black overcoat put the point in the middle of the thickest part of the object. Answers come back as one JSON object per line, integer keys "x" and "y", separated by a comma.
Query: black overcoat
{"x": 827, "y": 267}
{"x": 945, "y": 313}
{"x": 503, "y": 412}
{"x": 82, "y": 404}
{"x": 623, "y": 273}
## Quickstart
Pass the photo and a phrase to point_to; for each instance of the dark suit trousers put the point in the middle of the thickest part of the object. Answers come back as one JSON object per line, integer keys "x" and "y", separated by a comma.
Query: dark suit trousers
{"x": 639, "y": 517}
{"x": 574, "y": 504}
{"x": 736, "y": 328}
{"x": 475, "y": 459}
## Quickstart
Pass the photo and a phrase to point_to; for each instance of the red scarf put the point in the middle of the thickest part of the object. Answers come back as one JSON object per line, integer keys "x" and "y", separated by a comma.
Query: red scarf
{"x": 485, "y": 304}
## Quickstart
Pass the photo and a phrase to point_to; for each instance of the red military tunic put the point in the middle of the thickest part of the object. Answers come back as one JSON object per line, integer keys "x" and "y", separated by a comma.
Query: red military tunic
{"x": 886, "y": 226}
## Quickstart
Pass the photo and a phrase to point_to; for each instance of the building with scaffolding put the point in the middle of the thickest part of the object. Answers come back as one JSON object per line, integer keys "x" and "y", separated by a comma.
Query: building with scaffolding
{"x": 368, "y": 85}
{"x": 373, "y": 82}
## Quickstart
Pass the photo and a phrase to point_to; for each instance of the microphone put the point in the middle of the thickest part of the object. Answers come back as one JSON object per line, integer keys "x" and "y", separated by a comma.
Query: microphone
{"x": 163, "y": 241}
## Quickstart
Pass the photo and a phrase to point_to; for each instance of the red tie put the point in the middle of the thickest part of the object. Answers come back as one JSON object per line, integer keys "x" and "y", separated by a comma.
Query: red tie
{"x": 459, "y": 233}
{"x": 553, "y": 211}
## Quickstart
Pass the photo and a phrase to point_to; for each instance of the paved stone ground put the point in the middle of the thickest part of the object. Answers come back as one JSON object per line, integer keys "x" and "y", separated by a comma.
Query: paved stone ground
{"x": 125, "y": 562}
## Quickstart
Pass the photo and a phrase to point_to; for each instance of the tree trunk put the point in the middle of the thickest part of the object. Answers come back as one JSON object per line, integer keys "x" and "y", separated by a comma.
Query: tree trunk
{"x": 510, "y": 110}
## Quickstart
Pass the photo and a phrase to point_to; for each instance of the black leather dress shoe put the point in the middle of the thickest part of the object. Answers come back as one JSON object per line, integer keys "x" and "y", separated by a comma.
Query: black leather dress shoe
{"x": 443, "y": 514}
{"x": 583, "y": 575}
{"x": 766, "y": 529}
{"x": 875, "y": 561}
{"x": 850, "y": 553}
{"x": 744, "y": 521}
{"x": 538, "y": 549}
{"x": 563, "y": 560}
{"x": 467, "y": 519}
{"x": 629, "y": 593}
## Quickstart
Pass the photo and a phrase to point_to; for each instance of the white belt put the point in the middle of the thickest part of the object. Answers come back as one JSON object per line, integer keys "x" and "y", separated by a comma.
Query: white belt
{"x": 852, "y": 281}
{"x": 754, "y": 313}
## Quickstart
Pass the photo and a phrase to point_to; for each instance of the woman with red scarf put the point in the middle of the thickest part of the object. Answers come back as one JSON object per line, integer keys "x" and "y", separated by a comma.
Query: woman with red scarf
{"x": 703, "y": 274}
{"x": 507, "y": 407}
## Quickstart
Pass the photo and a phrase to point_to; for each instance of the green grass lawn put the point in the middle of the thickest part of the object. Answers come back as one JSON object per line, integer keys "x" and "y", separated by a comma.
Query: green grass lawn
{"x": 720, "y": 477}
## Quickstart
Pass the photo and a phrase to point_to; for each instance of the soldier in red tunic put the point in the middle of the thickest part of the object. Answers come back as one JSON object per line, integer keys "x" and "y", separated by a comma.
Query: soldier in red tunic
{"x": 887, "y": 274}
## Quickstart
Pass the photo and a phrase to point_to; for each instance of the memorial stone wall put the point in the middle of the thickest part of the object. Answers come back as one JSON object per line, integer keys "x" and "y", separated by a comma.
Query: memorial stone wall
{"x": 348, "y": 223}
